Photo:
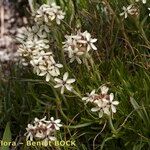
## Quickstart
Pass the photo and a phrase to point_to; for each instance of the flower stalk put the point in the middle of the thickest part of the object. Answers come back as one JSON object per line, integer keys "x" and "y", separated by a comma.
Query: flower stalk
{"x": 114, "y": 131}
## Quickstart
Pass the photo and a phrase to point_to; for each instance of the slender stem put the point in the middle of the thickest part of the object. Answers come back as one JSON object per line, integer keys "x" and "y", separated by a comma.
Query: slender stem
{"x": 58, "y": 101}
{"x": 103, "y": 143}
{"x": 58, "y": 38}
{"x": 111, "y": 125}
{"x": 86, "y": 64}
{"x": 91, "y": 60}
{"x": 76, "y": 93}
{"x": 95, "y": 71}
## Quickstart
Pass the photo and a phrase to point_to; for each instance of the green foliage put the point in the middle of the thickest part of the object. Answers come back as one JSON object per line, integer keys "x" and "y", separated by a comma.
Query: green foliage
{"x": 6, "y": 137}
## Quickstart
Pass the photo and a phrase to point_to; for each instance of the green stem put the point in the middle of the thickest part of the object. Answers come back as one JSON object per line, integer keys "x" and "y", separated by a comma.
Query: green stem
{"x": 94, "y": 68}
{"x": 77, "y": 94}
{"x": 58, "y": 101}
{"x": 103, "y": 143}
{"x": 114, "y": 131}
{"x": 91, "y": 61}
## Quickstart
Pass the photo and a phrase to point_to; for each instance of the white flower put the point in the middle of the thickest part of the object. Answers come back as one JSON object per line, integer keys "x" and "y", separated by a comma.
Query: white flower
{"x": 130, "y": 10}
{"x": 55, "y": 67}
{"x": 42, "y": 56}
{"x": 48, "y": 13}
{"x": 103, "y": 102}
{"x": 75, "y": 55}
{"x": 71, "y": 42}
{"x": 37, "y": 31}
{"x": 39, "y": 134}
{"x": 64, "y": 83}
{"x": 112, "y": 103}
{"x": 25, "y": 54}
{"x": 104, "y": 89}
{"x": 31, "y": 49}
{"x": 24, "y": 51}
{"x": 55, "y": 124}
{"x": 90, "y": 97}
{"x": 143, "y": 1}
{"x": 102, "y": 107}
{"x": 126, "y": 11}
{"x": 43, "y": 14}
{"x": 78, "y": 45}
{"x": 50, "y": 70}
{"x": 60, "y": 15}
{"x": 37, "y": 44}
{"x": 29, "y": 135}
{"x": 32, "y": 33}
{"x": 43, "y": 129}
{"x": 38, "y": 121}
{"x": 89, "y": 41}
{"x": 44, "y": 65}
{"x": 22, "y": 34}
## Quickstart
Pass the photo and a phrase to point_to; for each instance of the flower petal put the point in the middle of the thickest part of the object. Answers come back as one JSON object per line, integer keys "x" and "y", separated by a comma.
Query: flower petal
{"x": 100, "y": 114}
{"x": 78, "y": 60}
{"x": 69, "y": 81}
{"x": 65, "y": 76}
{"x": 58, "y": 85}
{"x": 111, "y": 97}
{"x": 48, "y": 77}
{"x": 57, "y": 121}
{"x": 62, "y": 90}
{"x": 58, "y": 80}
{"x": 113, "y": 108}
{"x": 115, "y": 102}
{"x": 43, "y": 73}
{"x": 106, "y": 110}
{"x": 93, "y": 40}
{"x": 93, "y": 92}
{"x": 84, "y": 98}
{"x": 68, "y": 87}
{"x": 104, "y": 89}
{"x": 95, "y": 109}
{"x": 93, "y": 46}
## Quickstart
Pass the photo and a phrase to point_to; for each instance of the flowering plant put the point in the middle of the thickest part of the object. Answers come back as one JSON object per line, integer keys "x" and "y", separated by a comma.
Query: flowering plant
{"x": 69, "y": 48}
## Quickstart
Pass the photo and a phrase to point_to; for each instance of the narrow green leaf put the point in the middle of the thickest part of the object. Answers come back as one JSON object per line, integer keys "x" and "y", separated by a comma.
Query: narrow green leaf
{"x": 139, "y": 110}
{"x": 81, "y": 125}
{"x": 6, "y": 137}
{"x": 136, "y": 106}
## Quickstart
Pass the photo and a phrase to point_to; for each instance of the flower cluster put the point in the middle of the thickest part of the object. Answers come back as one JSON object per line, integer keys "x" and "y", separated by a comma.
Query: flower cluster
{"x": 41, "y": 27}
{"x": 35, "y": 49}
{"x": 129, "y": 10}
{"x": 42, "y": 129}
{"x": 32, "y": 33}
{"x": 35, "y": 46}
{"x": 48, "y": 13}
{"x": 103, "y": 102}
{"x": 45, "y": 65}
{"x": 78, "y": 45}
